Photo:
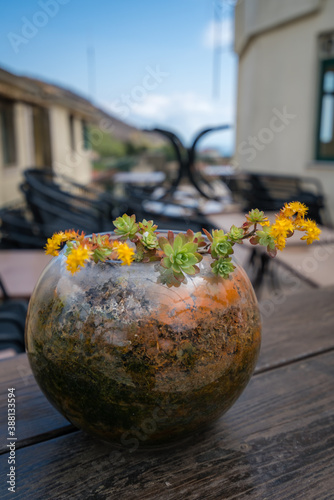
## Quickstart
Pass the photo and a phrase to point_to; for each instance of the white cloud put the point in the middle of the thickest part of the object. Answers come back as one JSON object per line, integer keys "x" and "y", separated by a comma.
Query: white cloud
{"x": 224, "y": 32}
{"x": 185, "y": 113}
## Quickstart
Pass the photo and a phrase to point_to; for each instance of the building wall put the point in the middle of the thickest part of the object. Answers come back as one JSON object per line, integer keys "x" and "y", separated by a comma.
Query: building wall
{"x": 11, "y": 176}
{"x": 279, "y": 74}
{"x": 255, "y": 16}
{"x": 73, "y": 163}
{"x": 76, "y": 164}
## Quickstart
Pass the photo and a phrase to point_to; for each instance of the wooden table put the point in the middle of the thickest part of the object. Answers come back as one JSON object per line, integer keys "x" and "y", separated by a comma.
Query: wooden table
{"x": 20, "y": 270}
{"x": 276, "y": 442}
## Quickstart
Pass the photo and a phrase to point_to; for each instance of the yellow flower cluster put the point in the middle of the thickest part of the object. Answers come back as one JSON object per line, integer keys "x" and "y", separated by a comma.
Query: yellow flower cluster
{"x": 102, "y": 247}
{"x": 280, "y": 230}
{"x": 312, "y": 231}
{"x": 124, "y": 253}
{"x": 83, "y": 249}
{"x": 290, "y": 219}
{"x": 77, "y": 258}
{"x": 53, "y": 244}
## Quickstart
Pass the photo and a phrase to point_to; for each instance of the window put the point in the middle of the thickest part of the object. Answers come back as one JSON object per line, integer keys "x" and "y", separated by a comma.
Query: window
{"x": 7, "y": 126}
{"x": 42, "y": 137}
{"x": 72, "y": 132}
{"x": 85, "y": 134}
{"x": 325, "y": 129}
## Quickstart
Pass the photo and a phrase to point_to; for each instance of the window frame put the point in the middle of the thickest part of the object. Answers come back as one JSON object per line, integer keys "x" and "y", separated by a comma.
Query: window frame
{"x": 71, "y": 123}
{"x": 85, "y": 135}
{"x": 42, "y": 139}
{"x": 8, "y": 130}
{"x": 326, "y": 59}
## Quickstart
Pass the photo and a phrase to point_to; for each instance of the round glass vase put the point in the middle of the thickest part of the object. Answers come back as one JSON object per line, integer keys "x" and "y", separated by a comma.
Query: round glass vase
{"x": 124, "y": 357}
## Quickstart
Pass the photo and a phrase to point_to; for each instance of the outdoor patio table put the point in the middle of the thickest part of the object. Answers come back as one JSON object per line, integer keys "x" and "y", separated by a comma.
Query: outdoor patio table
{"x": 276, "y": 442}
{"x": 20, "y": 270}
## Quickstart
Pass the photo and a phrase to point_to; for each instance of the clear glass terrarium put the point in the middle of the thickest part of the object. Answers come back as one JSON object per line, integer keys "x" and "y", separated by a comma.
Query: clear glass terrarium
{"x": 116, "y": 352}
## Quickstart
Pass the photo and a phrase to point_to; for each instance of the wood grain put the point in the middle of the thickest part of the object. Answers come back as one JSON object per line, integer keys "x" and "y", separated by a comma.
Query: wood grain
{"x": 296, "y": 326}
{"x": 277, "y": 442}
{"x": 34, "y": 414}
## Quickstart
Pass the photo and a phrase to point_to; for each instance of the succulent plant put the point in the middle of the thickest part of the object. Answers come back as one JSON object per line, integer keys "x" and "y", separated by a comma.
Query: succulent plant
{"x": 126, "y": 226}
{"x": 256, "y": 216}
{"x": 181, "y": 254}
{"x": 236, "y": 234}
{"x": 221, "y": 245}
{"x": 223, "y": 267}
{"x": 147, "y": 226}
{"x": 150, "y": 241}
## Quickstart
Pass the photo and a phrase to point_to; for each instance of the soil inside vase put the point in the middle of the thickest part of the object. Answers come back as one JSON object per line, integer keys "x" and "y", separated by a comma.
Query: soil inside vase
{"x": 117, "y": 366}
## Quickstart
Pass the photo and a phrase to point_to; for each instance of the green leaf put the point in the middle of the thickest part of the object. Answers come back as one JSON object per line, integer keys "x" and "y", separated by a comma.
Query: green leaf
{"x": 189, "y": 270}
{"x": 265, "y": 238}
{"x": 198, "y": 256}
{"x": 168, "y": 277}
{"x": 176, "y": 268}
{"x": 191, "y": 260}
{"x": 163, "y": 242}
{"x": 189, "y": 247}
{"x": 166, "y": 263}
{"x": 178, "y": 243}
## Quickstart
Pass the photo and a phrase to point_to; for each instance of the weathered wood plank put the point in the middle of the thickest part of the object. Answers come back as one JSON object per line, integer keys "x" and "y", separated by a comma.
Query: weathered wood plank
{"x": 300, "y": 326}
{"x": 277, "y": 442}
{"x": 296, "y": 326}
{"x": 34, "y": 414}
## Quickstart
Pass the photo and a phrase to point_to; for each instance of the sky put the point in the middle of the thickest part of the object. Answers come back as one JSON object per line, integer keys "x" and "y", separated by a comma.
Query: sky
{"x": 147, "y": 62}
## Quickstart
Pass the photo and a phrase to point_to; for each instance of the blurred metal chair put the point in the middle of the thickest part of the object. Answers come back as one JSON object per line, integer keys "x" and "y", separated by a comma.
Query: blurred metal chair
{"x": 12, "y": 322}
{"x": 17, "y": 230}
{"x": 56, "y": 209}
{"x": 269, "y": 192}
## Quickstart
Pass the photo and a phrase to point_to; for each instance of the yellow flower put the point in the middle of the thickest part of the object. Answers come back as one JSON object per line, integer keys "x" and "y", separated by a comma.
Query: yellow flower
{"x": 312, "y": 231}
{"x": 280, "y": 242}
{"x": 280, "y": 230}
{"x": 296, "y": 208}
{"x": 265, "y": 223}
{"x": 53, "y": 244}
{"x": 124, "y": 253}
{"x": 77, "y": 258}
{"x": 69, "y": 234}
{"x": 298, "y": 222}
{"x": 287, "y": 211}
{"x": 281, "y": 227}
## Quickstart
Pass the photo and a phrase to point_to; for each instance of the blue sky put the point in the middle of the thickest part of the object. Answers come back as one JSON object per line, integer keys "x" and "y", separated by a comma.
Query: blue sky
{"x": 153, "y": 60}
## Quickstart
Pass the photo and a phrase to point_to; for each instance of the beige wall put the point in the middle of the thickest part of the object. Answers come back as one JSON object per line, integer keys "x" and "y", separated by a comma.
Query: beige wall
{"x": 11, "y": 176}
{"x": 279, "y": 70}
{"x": 75, "y": 164}
{"x": 255, "y": 16}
